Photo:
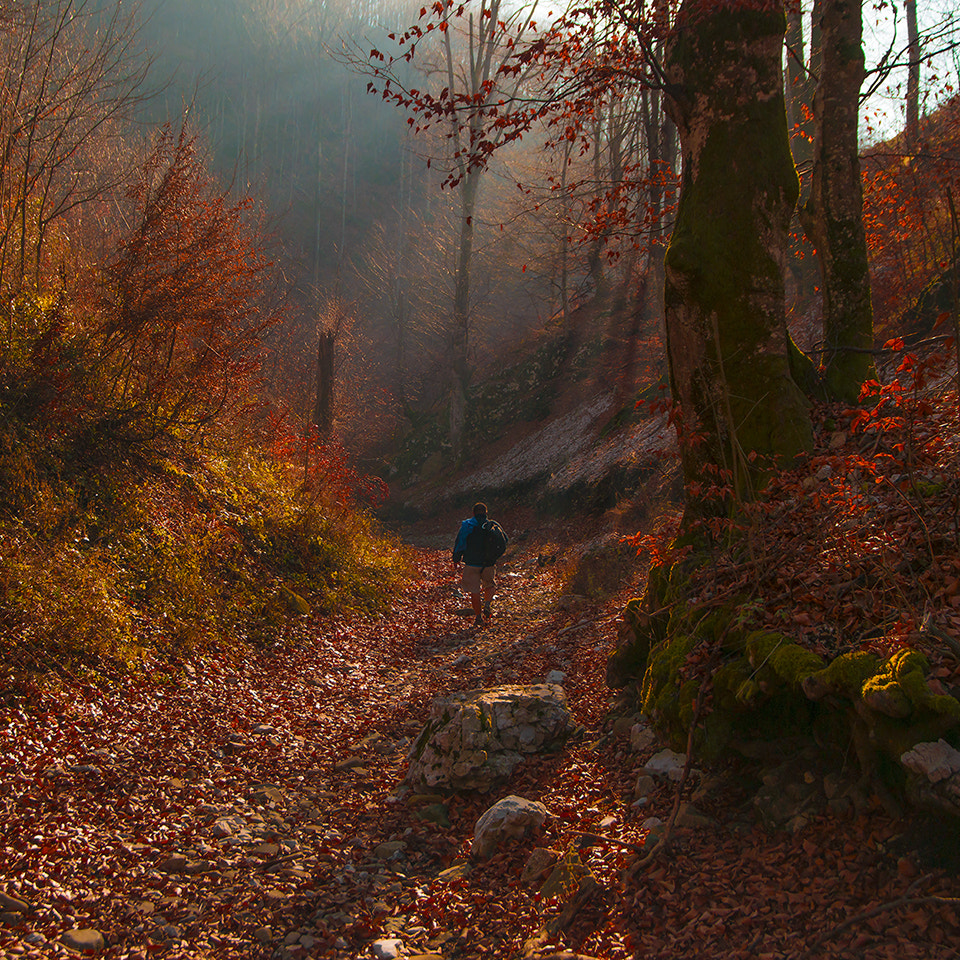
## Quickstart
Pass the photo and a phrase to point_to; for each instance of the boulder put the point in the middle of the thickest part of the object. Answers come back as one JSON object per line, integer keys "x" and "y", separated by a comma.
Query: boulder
{"x": 476, "y": 738}
{"x": 509, "y": 818}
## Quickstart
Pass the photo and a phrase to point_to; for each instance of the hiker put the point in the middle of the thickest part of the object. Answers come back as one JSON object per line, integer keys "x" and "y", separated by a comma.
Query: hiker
{"x": 480, "y": 543}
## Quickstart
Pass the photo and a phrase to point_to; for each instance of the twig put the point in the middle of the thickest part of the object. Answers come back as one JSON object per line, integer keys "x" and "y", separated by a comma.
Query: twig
{"x": 270, "y": 865}
{"x": 672, "y": 819}
{"x": 592, "y": 839}
{"x": 576, "y": 626}
{"x": 906, "y": 900}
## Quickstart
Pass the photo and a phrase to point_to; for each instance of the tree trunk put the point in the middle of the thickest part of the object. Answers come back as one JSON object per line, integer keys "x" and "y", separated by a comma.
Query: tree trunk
{"x": 727, "y": 340}
{"x": 833, "y": 215}
{"x": 323, "y": 407}
{"x": 913, "y": 73}
{"x": 460, "y": 326}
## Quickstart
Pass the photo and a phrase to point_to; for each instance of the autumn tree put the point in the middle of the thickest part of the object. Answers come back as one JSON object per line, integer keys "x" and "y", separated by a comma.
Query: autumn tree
{"x": 185, "y": 304}
{"x": 833, "y": 213}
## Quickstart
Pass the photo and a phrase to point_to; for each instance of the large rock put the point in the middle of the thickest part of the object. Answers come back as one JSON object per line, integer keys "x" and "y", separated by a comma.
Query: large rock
{"x": 937, "y": 782}
{"x": 475, "y": 739}
{"x": 509, "y": 818}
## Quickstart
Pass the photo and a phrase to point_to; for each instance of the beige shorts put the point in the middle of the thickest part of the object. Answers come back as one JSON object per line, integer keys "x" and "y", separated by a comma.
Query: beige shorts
{"x": 472, "y": 580}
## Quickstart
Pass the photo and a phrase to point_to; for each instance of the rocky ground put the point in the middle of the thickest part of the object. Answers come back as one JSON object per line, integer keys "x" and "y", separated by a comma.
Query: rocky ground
{"x": 254, "y": 808}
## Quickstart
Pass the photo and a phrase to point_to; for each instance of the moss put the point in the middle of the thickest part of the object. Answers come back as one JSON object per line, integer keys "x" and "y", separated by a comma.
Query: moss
{"x": 846, "y": 674}
{"x": 726, "y": 331}
{"x": 774, "y": 653}
{"x": 660, "y": 692}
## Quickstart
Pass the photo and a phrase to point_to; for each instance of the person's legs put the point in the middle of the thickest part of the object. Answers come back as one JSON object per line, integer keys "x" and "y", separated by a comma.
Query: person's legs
{"x": 477, "y": 609}
{"x": 470, "y": 581}
{"x": 489, "y": 584}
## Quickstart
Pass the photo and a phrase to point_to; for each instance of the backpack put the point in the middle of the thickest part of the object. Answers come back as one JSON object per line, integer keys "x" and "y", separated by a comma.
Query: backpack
{"x": 494, "y": 542}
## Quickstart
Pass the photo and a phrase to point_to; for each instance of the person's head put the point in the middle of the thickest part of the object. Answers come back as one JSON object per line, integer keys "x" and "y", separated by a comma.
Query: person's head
{"x": 480, "y": 511}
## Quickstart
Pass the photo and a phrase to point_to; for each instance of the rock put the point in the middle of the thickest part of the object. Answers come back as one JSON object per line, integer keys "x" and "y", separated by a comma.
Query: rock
{"x": 387, "y": 949}
{"x": 622, "y": 727}
{"x": 477, "y": 738}
{"x": 221, "y": 829}
{"x": 87, "y": 940}
{"x": 935, "y": 761}
{"x": 644, "y": 786}
{"x": 541, "y": 860}
{"x": 434, "y": 813}
{"x": 666, "y": 764}
{"x": 566, "y": 877}
{"x": 265, "y": 794}
{"x": 555, "y": 676}
{"x": 392, "y": 848}
{"x": 263, "y": 935}
{"x": 175, "y": 864}
{"x": 641, "y": 737}
{"x": 654, "y": 827}
{"x": 510, "y": 818}
{"x": 689, "y": 816}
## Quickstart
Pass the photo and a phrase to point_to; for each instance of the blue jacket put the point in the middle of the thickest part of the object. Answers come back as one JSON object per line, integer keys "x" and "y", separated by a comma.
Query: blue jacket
{"x": 467, "y": 548}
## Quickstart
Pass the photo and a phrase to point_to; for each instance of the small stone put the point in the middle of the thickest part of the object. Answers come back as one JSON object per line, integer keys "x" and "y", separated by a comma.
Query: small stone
{"x": 555, "y": 676}
{"x": 13, "y": 905}
{"x": 541, "y": 860}
{"x": 388, "y": 949}
{"x": 644, "y": 786}
{"x": 390, "y": 849}
{"x": 641, "y": 737}
{"x": 622, "y": 726}
{"x": 263, "y": 935}
{"x": 175, "y": 864}
{"x": 86, "y": 940}
{"x": 291, "y": 938}
{"x": 221, "y": 829}
{"x": 667, "y": 764}
{"x": 654, "y": 827}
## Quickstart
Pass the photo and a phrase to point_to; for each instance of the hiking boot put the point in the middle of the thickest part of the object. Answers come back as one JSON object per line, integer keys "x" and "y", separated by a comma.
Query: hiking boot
{"x": 486, "y": 608}
{"x": 478, "y": 622}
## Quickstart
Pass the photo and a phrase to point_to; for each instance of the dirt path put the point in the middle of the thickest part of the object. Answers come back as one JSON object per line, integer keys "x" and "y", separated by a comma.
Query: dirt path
{"x": 253, "y": 808}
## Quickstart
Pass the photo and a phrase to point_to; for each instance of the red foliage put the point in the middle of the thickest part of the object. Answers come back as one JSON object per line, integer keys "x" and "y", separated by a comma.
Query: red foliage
{"x": 186, "y": 306}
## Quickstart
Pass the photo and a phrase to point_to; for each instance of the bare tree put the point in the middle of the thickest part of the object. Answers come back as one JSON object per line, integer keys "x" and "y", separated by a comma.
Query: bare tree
{"x": 69, "y": 73}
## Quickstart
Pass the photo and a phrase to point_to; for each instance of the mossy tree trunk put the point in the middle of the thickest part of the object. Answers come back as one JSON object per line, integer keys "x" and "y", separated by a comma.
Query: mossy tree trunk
{"x": 833, "y": 214}
{"x": 727, "y": 339}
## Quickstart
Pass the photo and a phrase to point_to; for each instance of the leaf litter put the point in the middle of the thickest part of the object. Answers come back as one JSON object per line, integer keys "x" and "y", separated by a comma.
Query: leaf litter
{"x": 246, "y": 807}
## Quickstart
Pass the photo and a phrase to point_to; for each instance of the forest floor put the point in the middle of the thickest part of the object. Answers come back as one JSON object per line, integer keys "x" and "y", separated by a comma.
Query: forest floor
{"x": 253, "y": 807}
